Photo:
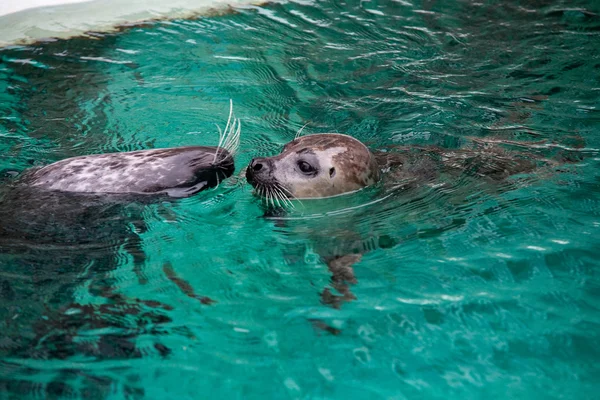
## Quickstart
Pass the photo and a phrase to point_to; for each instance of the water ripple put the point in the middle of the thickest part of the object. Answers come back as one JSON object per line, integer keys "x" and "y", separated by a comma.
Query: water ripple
{"x": 469, "y": 283}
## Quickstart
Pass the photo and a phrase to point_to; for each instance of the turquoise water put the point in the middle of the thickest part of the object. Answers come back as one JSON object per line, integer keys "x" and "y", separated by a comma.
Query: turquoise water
{"x": 471, "y": 289}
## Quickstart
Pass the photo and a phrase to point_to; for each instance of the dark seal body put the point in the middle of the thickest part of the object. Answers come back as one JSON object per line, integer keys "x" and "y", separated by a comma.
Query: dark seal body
{"x": 176, "y": 172}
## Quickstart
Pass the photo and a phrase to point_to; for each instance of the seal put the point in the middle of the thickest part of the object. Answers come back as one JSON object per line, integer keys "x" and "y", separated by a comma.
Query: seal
{"x": 320, "y": 165}
{"x": 176, "y": 172}
{"x": 324, "y": 165}
{"x": 331, "y": 164}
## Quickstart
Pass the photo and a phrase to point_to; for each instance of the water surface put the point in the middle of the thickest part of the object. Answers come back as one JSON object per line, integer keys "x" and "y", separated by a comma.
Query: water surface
{"x": 469, "y": 289}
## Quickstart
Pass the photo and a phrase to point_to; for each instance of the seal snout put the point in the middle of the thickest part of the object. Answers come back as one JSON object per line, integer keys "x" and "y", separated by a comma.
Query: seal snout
{"x": 257, "y": 169}
{"x": 256, "y": 165}
{"x": 224, "y": 161}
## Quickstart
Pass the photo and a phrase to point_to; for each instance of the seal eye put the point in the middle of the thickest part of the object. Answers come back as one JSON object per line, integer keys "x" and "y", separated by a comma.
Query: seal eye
{"x": 305, "y": 167}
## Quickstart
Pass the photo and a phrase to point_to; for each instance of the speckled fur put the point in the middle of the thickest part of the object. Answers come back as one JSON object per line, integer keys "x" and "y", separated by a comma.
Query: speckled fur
{"x": 141, "y": 172}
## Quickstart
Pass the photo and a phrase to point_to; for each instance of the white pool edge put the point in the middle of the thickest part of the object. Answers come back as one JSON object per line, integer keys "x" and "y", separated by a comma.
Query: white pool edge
{"x": 30, "y": 21}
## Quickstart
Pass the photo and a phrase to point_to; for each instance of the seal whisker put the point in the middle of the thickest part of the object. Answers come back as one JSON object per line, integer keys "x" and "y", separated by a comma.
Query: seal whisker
{"x": 229, "y": 118}
{"x": 289, "y": 194}
{"x": 220, "y": 134}
{"x": 233, "y": 143}
{"x": 277, "y": 189}
{"x": 272, "y": 197}
{"x": 223, "y": 135}
{"x": 276, "y": 195}
{"x": 284, "y": 198}
{"x": 218, "y": 144}
{"x": 229, "y": 136}
{"x": 233, "y": 136}
{"x": 290, "y": 201}
{"x": 262, "y": 192}
{"x": 300, "y": 131}
{"x": 280, "y": 195}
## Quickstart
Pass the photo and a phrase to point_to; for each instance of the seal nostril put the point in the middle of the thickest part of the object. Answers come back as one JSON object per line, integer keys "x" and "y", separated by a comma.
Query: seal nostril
{"x": 257, "y": 167}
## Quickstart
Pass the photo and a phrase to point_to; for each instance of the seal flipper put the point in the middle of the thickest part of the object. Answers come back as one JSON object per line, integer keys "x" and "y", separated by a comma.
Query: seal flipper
{"x": 342, "y": 276}
{"x": 180, "y": 192}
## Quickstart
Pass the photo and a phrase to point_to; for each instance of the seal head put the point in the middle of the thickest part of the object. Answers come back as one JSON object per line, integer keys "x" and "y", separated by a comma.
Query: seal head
{"x": 321, "y": 165}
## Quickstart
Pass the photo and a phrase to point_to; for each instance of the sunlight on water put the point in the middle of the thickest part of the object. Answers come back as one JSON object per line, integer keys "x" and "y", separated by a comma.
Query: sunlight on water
{"x": 468, "y": 286}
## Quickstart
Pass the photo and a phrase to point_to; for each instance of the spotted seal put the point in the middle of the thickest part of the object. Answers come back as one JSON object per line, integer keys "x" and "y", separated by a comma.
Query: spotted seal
{"x": 331, "y": 164}
{"x": 176, "y": 172}
{"x": 323, "y": 165}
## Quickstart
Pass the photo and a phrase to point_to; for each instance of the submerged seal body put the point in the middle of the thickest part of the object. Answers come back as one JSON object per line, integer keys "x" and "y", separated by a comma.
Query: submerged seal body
{"x": 177, "y": 172}
{"x": 321, "y": 165}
